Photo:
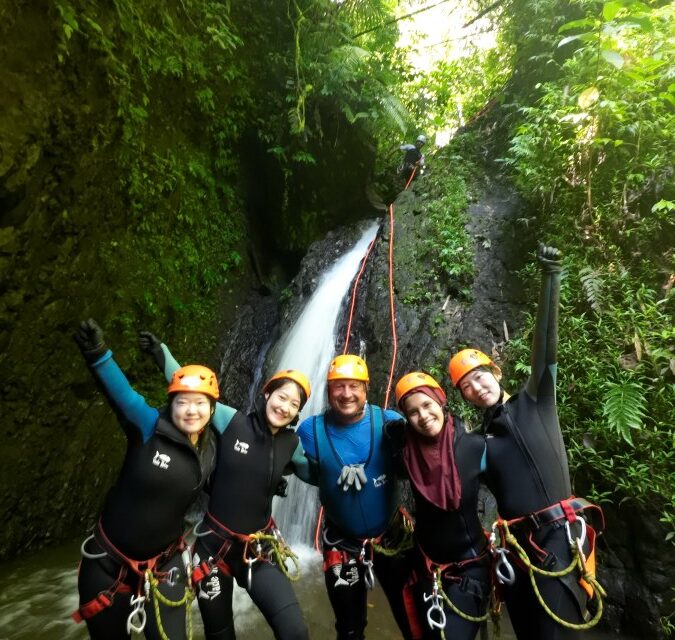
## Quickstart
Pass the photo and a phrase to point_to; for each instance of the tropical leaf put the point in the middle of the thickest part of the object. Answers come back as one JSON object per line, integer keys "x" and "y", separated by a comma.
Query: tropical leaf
{"x": 624, "y": 407}
{"x": 592, "y": 285}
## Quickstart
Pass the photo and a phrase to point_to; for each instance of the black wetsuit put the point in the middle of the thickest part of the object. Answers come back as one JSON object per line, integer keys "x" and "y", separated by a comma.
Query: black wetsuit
{"x": 161, "y": 475}
{"x": 453, "y": 538}
{"x": 528, "y": 471}
{"x": 249, "y": 466}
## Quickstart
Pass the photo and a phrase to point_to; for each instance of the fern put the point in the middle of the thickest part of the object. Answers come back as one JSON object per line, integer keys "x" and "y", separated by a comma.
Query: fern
{"x": 592, "y": 285}
{"x": 624, "y": 407}
{"x": 395, "y": 110}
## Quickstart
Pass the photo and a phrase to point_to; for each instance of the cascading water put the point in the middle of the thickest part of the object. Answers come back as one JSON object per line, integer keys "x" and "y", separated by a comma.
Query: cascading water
{"x": 309, "y": 345}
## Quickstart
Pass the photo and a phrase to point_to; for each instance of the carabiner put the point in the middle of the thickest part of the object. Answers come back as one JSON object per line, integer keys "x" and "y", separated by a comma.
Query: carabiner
{"x": 172, "y": 576}
{"x": 503, "y": 569}
{"x": 137, "y": 618}
{"x": 249, "y": 576}
{"x": 369, "y": 576}
{"x": 582, "y": 538}
{"x": 435, "y": 607}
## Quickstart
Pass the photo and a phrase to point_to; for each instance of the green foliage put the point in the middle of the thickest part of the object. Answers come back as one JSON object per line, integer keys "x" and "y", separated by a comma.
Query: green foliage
{"x": 624, "y": 407}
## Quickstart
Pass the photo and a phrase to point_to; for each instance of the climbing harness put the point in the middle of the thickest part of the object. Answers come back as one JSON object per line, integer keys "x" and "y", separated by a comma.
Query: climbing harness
{"x": 562, "y": 514}
{"x": 266, "y": 545}
{"x": 151, "y": 579}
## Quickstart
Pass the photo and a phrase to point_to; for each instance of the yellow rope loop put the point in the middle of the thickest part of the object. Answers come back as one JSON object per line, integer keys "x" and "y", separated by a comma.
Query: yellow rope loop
{"x": 281, "y": 552}
{"x": 577, "y": 563}
{"x": 404, "y": 544}
{"x": 158, "y": 596}
{"x": 454, "y": 608}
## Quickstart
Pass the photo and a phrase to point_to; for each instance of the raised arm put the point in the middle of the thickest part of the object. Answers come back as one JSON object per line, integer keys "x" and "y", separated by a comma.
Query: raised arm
{"x": 168, "y": 365}
{"x": 130, "y": 406}
{"x": 544, "y": 358}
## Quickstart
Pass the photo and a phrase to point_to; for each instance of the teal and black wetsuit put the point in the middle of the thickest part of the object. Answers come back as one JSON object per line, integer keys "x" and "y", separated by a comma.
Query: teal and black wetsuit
{"x": 250, "y": 463}
{"x": 353, "y": 516}
{"x": 527, "y": 471}
{"x": 453, "y": 540}
{"x": 161, "y": 476}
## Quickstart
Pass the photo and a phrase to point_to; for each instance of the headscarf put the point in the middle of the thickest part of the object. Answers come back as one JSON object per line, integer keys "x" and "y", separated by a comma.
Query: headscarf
{"x": 431, "y": 461}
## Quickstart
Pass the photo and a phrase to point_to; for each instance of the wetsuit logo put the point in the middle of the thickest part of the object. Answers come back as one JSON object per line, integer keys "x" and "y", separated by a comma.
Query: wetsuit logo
{"x": 241, "y": 447}
{"x": 210, "y": 589}
{"x": 380, "y": 481}
{"x": 161, "y": 460}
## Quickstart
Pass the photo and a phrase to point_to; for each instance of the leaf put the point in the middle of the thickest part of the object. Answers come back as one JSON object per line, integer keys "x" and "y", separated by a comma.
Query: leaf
{"x": 588, "y": 97}
{"x": 624, "y": 407}
{"x": 610, "y": 9}
{"x": 613, "y": 57}
{"x": 592, "y": 285}
{"x": 576, "y": 24}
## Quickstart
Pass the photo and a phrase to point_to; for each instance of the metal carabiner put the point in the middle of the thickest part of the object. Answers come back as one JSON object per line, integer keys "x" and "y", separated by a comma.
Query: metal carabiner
{"x": 503, "y": 569}
{"x": 369, "y": 576}
{"x": 90, "y": 556}
{"x": 249, "y": 576}
{"x": 137, "y": 618}
{"x": 435, "y": 607}
{"x": 582, "y": 538}
{"x": 172, "y": 576}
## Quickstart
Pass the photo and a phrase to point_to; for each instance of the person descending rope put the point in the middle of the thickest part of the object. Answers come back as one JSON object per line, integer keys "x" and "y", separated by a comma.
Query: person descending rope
{"x": 449, "y": 586}
{"x": 413, "y": 160}
{"x": 363, "y": 528}
{"x": 135, "y": 571}
{"x": 547, "y": 554}
{"x": 237, "y": 537}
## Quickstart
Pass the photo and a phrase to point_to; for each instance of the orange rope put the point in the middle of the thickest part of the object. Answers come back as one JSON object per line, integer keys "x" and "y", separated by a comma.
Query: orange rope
{"x": 317, "y": 529}
{"x": 392, "y": 311}
{"x": 364, "y": 260}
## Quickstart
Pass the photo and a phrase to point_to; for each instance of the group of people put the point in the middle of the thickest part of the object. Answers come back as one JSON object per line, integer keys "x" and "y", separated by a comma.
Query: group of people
{"x": 439, "y": 569}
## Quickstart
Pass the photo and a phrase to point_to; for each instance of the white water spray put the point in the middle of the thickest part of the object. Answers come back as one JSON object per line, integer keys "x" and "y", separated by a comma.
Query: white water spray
{"x": 309, "y": 345}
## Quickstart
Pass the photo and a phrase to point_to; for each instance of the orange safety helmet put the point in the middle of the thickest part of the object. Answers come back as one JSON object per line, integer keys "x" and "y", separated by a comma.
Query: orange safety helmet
{"x": 291, "y": 374}
{"x": 411, "y": 381}
{"x": 467, "y": 360}
{"x": 348, "y": 367}
{"x": 194, "y": 377}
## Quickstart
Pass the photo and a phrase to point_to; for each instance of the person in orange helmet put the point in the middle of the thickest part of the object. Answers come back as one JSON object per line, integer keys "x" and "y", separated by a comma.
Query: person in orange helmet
{"x": 449, "y": 582}
{"x": 528, "y": 473}
{"x": 137, "y": 552}
{"x": 254, "y": 452}
{"x": 358, "y": 490}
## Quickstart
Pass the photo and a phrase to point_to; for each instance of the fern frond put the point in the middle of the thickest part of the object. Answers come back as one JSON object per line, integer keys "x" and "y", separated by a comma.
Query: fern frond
{"x": 395, "y": 110}
{"x": 624, "y": 407}
{"x": 592, "y": 285}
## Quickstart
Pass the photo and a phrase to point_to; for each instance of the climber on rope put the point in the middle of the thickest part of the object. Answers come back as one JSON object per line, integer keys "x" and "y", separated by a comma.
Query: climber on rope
{"x": 237, "y": 537}
{"x": 413, "y": 160}
{"x": 364, "y": 532}
{"x": 543, "y": 543}
{"x": 135, "y": 570}
{"x": 449, "y": 587}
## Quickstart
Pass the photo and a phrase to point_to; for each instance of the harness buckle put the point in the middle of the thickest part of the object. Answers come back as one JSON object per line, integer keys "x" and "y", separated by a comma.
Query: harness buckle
{"x": 137, "y": 618}
{"x": 534, "y": 521}
{"x": 172, "y": 576}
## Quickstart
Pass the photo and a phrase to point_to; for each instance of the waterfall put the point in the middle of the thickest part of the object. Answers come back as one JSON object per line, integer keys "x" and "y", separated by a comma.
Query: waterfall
{"x": 309, "y": 345}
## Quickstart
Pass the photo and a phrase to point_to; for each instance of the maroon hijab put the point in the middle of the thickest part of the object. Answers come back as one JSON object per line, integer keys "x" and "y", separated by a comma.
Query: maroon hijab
{"x": 431, "y": 461}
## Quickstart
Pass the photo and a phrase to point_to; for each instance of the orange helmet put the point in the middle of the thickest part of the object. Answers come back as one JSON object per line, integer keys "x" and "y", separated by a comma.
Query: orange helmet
{"x": 348, "y": 367}
{"x": 411, "y": 381}
{"x": 467, "y": 360}
{"x": 292, "y": 374}
{"x": 194, "y": 377}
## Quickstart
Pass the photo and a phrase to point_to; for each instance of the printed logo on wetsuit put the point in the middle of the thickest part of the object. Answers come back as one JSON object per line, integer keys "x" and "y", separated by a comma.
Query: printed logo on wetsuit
{"x": 241, "y": 447}
{"x": 380, "y": 481}
{"x": 161, "y": 460}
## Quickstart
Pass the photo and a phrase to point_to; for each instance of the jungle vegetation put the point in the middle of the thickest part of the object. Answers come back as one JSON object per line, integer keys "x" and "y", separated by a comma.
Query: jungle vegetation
{"x": 183, "y": 130}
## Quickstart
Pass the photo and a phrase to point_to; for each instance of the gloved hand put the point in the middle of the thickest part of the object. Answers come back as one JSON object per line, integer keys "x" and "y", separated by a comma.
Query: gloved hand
{"x": 395, "y": 432}
{"x": 282, "y": 488}
{"x": 550, "y": 258}
{"x": 149, "y": 343}
{"x": 89, "y": 337}
{"x": 352, "y": 475}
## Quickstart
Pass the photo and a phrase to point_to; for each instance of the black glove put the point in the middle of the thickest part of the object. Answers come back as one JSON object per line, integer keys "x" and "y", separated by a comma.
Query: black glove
{"x": 89, "y": 337}
{"x": 282, "y": 488}
{"x": 550, "y": 258}
{"x": 149, "y": 343}
{"x": 395, "y": 431}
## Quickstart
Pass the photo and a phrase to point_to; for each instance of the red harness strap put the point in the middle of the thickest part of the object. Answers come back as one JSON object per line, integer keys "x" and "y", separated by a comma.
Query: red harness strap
{"x": 103, "y": 600}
